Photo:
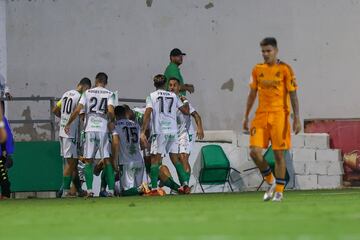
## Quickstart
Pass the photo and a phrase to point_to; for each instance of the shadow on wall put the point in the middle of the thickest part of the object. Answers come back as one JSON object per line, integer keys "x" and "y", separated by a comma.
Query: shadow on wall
{"x": 29, "y": 132}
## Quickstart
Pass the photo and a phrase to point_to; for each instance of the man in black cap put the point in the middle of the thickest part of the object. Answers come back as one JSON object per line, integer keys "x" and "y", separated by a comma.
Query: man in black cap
{"x": 173, "y": 71}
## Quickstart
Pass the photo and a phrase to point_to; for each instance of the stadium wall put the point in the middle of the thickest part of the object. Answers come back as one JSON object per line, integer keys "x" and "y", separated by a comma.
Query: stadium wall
{"x": 3, "y": 60}
{"x": 52, "y": 44}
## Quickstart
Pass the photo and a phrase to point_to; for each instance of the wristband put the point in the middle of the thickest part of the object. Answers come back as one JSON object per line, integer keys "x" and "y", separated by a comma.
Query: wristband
{"x": 2, "y": 124}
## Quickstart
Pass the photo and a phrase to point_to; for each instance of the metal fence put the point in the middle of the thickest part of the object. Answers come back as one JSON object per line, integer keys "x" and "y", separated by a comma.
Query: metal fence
{"x": 52, "y": 101}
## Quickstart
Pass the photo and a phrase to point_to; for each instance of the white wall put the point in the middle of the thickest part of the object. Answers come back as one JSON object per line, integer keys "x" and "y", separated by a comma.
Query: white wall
{"x": 54, "y": 43}
{"x": 3, "y": 61}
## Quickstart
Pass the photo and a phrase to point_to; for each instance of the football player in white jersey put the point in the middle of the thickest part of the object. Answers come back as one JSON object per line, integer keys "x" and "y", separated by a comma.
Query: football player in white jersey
{"x": 186, "y": 135}
{"x": 98, "y": 103}
{"x": 126, "y": 137}
{"x": 161, "y": 107}
{"x": 68, "y": 141}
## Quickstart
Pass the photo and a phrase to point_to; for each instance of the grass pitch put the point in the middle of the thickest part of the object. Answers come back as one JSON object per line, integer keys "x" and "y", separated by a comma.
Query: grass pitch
{"x": 303, "y": 215}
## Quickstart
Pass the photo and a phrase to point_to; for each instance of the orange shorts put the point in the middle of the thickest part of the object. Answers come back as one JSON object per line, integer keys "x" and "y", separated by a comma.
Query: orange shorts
{"x": 271, "y": 126}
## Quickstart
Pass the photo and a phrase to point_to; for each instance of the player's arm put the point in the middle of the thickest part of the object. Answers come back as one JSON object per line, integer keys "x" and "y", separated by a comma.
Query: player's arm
{"x": 73, "y": 116}
{"x": 295, "y": 106}
{"x": 57, "y": 109}
{"x": 111, "y": 113}
{"x": 291, "y": 87}
{"x": 185, "y": 108}
{"x": 145, "y": 126}
{"x": 249, "y": 104}
{"x": 199, "y": 126}
{"x": 115, "y": 149}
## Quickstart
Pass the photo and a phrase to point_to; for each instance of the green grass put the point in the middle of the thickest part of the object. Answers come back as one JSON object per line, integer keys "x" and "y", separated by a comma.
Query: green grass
{"x": 302, "y": 215}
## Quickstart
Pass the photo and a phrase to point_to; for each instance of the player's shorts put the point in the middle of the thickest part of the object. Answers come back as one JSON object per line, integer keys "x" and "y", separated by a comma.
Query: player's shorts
{"x": 271, "y": 126}
{"x": 131, "y": 175}
{"x": 94, "y": 142}
{"x": 68, "y": 147}
{"x": 164, "y": 144}
{"x": 192, "y": 138}
{"x": 184, "y": 143}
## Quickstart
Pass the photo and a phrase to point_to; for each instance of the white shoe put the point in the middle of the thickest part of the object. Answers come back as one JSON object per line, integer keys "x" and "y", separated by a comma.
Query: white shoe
{"x": 278, "y": 197}
{"x": 270, "y": 192}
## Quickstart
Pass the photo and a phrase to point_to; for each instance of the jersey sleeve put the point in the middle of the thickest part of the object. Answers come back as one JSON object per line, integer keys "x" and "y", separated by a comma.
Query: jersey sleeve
{"x": 149, "y": 102}
{"x": 253, "y": 80}
{"x": 178, "y": 102}
{"x": 82, "y": 100}
{"x": 58, "y": 104}
{"x": 111, "y": 100}
{"x": 290, "y": 79}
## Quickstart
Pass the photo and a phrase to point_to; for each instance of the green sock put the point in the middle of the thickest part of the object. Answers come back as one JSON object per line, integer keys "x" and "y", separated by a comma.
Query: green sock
{"x": 66, "y": 182}
{"x": 89, "y": 176}
{"x": 181, "y": 172}
{"x": 171, "y": 184}
{"x": 147, "y": 167}
{"x": 103, "y": 181}
{"x": 110, "y": 176}
{"x": 154, "y": 175}
{"x": 131, "y": 192}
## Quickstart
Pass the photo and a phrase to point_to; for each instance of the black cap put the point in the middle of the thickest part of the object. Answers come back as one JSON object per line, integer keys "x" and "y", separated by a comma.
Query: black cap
{"x": 176, "y": 52}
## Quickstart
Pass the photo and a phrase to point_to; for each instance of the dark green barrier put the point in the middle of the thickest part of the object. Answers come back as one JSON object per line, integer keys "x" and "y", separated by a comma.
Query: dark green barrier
{"x": 37, "y": 167}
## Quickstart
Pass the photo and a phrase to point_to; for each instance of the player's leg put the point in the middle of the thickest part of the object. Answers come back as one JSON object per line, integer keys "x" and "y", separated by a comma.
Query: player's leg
{"x": 157, "y": 150}
{"x": 280, "y": 139}
{"x": 68, "y": 173}
{"x": 184, "y": 153}
{"x": 172, "y": 146}
{"x": 69, "y": 152}
{"x": 4, "y": 178}
{"x": 166, "y": 178}
{"x": 259, "y": 140}
{"x": 105, "y": 146}
{"x": 131, "y": 179}
{"x": 90, "y": 148}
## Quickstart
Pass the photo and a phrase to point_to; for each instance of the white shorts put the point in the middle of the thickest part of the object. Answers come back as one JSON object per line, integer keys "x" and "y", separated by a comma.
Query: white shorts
{"x": 96, "y": 142}
{"x": 68, "y": 147}
{"x": 164, "y": 144}
{"x": 184, "y": 143}
{"x": 131, "y": 175}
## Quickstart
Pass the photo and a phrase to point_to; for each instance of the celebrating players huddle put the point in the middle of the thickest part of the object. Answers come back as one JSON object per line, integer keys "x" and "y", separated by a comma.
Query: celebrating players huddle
{"x": 112, "y": 139}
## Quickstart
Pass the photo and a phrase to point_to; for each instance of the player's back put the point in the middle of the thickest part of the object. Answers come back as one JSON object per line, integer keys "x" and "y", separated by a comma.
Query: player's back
{"x": 96, "y": 101}
{"x": 129, "y": 133}
{"x": 164, "y": 106}
{"x": 69, "y": 101}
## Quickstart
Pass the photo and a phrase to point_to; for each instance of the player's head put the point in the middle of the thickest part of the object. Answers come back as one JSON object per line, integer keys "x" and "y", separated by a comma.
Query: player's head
{"x": 159, "y": 81}
{"x": 84, "y": 85}
{"x": 174, "y": 85}
{"x": 129, "y": 113}
{"x": 101, "y": 79}
{"x": 269, "y": 50}
{"x": 120, "y": 112}
{"x": 176, "y": 56}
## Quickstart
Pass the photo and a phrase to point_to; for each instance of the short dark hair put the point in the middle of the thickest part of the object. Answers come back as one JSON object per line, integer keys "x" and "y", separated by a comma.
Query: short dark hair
{"x": 174, "y": 78}
{"x": 269, "y": 41}
{"x": 159, "y": 80}
{"x": 120, "y": 111}
{"x": 85, "y": 81}
{"x": 102, "y": 77}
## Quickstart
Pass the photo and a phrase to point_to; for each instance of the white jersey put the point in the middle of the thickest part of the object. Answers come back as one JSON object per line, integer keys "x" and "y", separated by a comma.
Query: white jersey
{"x": 68, "y": 103}
{"x": 184, "y": 122}
{"x": 96, "y": 102}
{"x": 129, "y": 134}
{"x": 164, "y": 105}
